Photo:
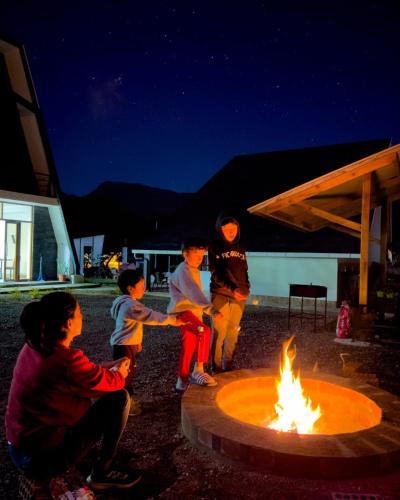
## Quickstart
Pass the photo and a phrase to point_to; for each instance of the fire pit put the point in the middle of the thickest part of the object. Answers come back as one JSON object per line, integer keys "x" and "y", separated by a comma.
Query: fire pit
{"x": 344, "y": 410}
{"x": 356, "y": 430}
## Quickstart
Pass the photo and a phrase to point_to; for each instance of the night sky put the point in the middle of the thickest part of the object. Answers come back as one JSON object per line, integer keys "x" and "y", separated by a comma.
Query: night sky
{"x": 164, "y": 93}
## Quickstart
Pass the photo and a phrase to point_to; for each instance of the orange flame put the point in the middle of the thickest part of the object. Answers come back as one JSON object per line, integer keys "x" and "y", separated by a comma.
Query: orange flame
{"x": 294, "y": 411}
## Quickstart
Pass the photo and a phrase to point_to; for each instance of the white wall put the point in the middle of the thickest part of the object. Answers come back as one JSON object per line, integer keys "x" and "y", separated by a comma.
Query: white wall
{"x": 64, "y": 251}
{"x": 271, "y": 273}
{"x": 374, "y": 249}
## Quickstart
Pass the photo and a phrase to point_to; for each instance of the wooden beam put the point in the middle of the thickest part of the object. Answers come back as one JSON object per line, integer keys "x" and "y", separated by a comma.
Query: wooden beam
{"x": 287, "y": 220}
{"x": 341, "y": 221}
{"x": 343, "y": 229}
{"x": 393, "y": 182}
{"x": 398, "y": 162}
{"x": 365, "y": 216}
{"x": 338, "y": 199}
{"x": 323, "y": 183}
{"x": 351, "y": 209}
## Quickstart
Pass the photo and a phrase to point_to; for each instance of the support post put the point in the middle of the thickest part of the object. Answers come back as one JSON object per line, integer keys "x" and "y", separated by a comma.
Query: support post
{"x": 384, "y": 236}
{"x": 365, "y": 223}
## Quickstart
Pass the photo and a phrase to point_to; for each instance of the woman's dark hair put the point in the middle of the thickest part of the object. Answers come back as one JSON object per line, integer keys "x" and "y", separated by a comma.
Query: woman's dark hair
{"x": 43, "y": 322}
{"x": 130, "y": 277}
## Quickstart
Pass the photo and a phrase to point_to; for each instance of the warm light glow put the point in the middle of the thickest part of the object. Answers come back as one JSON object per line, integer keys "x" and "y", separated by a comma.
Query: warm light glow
{"x": 294, "y": 410}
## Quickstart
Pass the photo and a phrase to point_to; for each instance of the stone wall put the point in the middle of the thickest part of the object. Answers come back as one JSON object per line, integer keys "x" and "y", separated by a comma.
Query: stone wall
{"x": 44, "y": 244}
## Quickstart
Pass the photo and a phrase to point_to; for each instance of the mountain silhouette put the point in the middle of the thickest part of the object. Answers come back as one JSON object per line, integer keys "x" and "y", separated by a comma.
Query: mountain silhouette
{"x": 126, "y": 213}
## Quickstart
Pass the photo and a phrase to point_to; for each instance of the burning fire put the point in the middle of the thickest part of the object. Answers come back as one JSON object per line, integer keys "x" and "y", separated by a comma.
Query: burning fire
{"x": 294, "y": 410}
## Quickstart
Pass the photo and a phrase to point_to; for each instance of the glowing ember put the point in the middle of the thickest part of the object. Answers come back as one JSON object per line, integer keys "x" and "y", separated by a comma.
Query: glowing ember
{"x": 294, "y": 410}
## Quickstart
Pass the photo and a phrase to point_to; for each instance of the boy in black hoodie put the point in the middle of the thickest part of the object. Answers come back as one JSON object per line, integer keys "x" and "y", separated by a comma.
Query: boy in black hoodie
{"x": 229, "y": 288}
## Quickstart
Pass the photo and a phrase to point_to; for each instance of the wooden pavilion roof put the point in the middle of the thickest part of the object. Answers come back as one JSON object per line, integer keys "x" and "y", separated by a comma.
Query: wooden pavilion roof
{"x": 335, "y": 199}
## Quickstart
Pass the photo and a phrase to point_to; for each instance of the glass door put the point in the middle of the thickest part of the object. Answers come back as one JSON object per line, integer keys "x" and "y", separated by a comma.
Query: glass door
{"x": 18, "y": 251}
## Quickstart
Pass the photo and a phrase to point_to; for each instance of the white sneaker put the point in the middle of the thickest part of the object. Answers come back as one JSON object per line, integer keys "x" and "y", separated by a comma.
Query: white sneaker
{"x": 202, "y": 378}
{"x": 181, "y": 386}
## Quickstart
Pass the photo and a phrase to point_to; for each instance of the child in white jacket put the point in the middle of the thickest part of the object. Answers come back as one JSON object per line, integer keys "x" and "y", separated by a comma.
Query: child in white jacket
{"x": 130, "y": 315}
{"x": 188, "y": 301}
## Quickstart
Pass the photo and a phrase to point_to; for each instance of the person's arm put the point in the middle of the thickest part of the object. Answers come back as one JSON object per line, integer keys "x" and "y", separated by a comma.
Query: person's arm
{"x": 116, "y": 364}
{"x": 147, "y": 316}
{"x": 107, "y": 364}
{"x": 89, "y": 379}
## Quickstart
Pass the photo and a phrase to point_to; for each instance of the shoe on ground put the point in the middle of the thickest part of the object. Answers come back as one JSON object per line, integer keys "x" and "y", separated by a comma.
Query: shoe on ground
{"x": 135, "y": 407}
{"x": 114, "y": 478}
{"x": 181, "y": 385}
{"x": 202, "y": 378}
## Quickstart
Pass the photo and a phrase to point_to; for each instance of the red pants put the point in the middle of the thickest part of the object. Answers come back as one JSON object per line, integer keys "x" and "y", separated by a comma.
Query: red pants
{"x": 195, "y": 336}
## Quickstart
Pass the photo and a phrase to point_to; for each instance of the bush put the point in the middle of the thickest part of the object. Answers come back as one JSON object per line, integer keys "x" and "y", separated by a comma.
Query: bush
{"x": 34, "y": 293}
{"x": 16, "y": 294}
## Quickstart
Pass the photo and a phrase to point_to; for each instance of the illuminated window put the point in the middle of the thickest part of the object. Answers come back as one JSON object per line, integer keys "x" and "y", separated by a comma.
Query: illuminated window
{"x": 12, "y": 211}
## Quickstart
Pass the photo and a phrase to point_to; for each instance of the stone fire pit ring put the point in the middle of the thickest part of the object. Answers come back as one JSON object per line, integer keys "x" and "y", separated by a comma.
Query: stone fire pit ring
{"x": 371, "y": 451}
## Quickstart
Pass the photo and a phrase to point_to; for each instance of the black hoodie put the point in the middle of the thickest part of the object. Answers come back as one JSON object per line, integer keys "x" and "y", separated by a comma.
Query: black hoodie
{"x": 228, "y": 264}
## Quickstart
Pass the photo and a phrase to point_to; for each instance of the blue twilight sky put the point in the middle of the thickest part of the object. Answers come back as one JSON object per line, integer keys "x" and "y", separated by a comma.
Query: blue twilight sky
{"x": 164, "y": 93}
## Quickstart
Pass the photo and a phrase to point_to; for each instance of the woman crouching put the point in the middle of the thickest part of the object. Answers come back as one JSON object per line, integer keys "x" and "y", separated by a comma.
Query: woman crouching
{"x": 51, "y": 419}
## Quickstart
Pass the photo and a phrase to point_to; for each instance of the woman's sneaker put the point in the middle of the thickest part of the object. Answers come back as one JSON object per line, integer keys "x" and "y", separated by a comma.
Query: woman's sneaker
{"x": 114, "y": 478}
{"x": 202, "y": 378}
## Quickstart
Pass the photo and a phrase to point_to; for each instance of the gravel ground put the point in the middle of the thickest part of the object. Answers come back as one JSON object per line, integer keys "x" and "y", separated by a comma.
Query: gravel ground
{"x": 154, "y": 442}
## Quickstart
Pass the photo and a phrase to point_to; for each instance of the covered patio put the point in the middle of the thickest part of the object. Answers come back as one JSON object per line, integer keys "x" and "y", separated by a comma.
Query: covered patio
{"x": 343, "y": 200}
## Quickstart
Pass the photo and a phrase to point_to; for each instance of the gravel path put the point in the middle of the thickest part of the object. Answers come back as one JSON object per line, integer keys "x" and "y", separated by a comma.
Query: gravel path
{"x": 154, "y": 442}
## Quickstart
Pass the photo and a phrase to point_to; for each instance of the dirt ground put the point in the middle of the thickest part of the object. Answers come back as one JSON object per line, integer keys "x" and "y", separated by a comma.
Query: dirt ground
{"x": 153, "y": 441}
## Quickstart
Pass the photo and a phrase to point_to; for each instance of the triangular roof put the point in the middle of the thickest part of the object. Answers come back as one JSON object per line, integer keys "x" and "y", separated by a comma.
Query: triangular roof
{"x": 28, "y": 165}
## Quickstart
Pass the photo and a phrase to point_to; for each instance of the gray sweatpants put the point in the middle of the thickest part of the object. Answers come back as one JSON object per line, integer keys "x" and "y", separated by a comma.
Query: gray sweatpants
{"x": 226, "y": 330}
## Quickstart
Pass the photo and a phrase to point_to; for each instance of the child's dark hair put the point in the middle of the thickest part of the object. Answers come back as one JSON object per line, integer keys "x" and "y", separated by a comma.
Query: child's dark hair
{"x": 43, "y": 321}
{"x": 194, "y": 242}
{"x": 130, "y": 277}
